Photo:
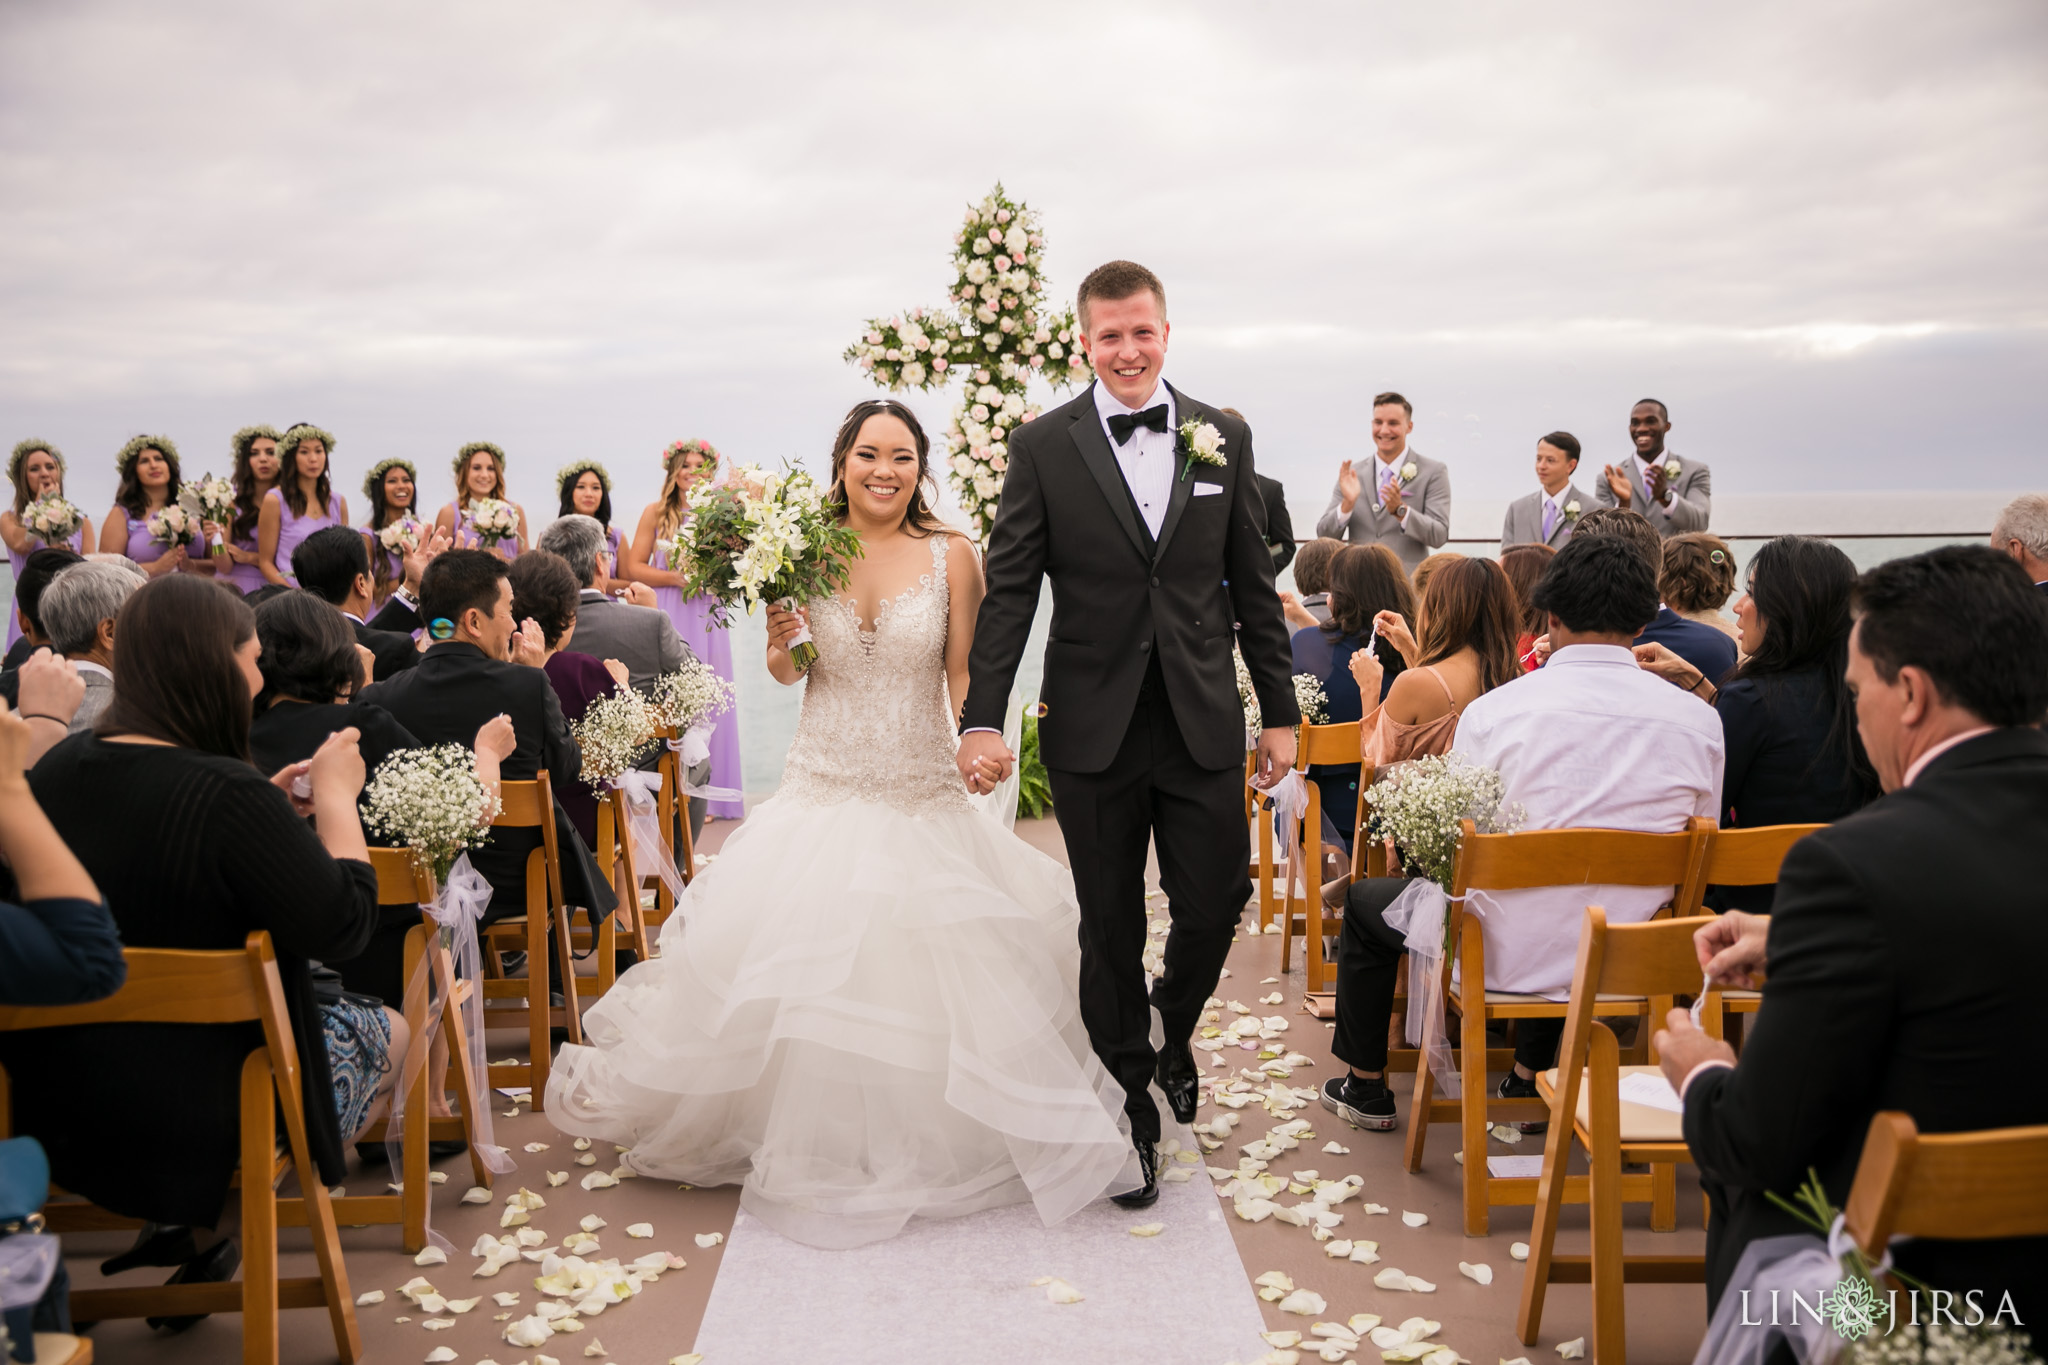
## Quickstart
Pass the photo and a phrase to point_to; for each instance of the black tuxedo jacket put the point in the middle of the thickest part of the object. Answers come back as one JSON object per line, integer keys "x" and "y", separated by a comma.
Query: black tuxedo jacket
{"x": 455, "y": 687}
{"x": 1908, "y": 947}
{"x": 1117, "y": 596}
{"x": 1279, "y": 525}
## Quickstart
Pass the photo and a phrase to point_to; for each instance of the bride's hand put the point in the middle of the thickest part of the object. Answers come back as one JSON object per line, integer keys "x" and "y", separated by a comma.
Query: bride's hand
{"x": 783, "y": 625}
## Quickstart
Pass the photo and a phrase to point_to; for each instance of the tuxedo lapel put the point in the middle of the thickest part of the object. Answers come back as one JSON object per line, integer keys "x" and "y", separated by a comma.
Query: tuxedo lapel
{"x": 1177, "y": 500}
{"x": 1101, "y": 462}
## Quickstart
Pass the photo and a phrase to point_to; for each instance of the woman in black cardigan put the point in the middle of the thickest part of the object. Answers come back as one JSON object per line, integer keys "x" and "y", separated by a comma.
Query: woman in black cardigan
{"x": 194, "y": 848}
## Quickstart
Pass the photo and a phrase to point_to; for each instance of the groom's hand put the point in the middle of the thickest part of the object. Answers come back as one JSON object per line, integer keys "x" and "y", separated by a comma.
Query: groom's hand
{"x": 983, "y": 761}
{"x": 1276, "y": 755}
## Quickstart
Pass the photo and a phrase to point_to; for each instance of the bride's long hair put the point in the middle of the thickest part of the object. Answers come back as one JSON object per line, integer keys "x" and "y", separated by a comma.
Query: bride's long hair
{"x": 918, "y": 518}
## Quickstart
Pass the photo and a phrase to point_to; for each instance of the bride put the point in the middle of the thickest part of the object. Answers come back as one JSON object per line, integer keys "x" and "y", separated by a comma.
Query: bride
{"x": 864, "y": 1009}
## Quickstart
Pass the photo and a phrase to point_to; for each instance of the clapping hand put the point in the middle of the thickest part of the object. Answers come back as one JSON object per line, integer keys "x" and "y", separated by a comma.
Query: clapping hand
{"x": 415, "y": 562}
{"x": 1618, "y": 482}
{"x": 1660, "y": 484}
{"x": 1348, "y": 487}
{"x": 1393, "y": 628}
{"x": 529, "y": 646}
{"x": 1390, "y": 498}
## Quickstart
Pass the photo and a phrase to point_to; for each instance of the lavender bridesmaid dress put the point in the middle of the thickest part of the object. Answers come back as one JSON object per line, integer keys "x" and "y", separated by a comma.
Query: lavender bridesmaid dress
{"x": 144, "y": 550}
{"x": 19, "y": 561}
{"x": 243, "y": 578}
{"x": 695, "y": 622}
{"x": 291, "y": 530}
{"x": 463, "y": 527}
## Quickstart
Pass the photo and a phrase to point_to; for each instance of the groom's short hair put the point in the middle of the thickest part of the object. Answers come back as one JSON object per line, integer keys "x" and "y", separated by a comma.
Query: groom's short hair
{"x": 1118, "y": 280}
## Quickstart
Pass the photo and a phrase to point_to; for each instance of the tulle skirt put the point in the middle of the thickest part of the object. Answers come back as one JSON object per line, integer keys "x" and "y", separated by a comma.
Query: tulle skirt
{"x": 859, "y": 1016}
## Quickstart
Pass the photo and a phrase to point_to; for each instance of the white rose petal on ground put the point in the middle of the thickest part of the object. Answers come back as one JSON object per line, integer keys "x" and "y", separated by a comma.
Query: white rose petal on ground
{"x": 595, "y": 1348}
{"x": 557, "y": 1178}
{"x": 365, "y": 1300}
{"x": 581, "y": 1144}
{"x": 1058, "y": 1290}
{"x": 438, "y": 1324}
{"x": 1518, "y": 1360}
{"x": 476, "y": 1194}
{"x": 529, "y": 1331}
{"x": 437, "y": 1177}
{"x": 536, "y": 1146}
{"x": 709, "y": 1239}
{"x": 1336, "y": 1149}
{"x": 1148, "y": 1229}
{"x": 1481, "y": 1272}
{"x": 640, "y": 1229}
{"x": 1414, "y": 1220}
{"x": 1575, "y": 1349}
{"x": 440, "y": 1355}
{"x": 1305, "y": 1302}
{"x": 431, "y": 1256}
{"x": 598, "y": 1180}
{"x": 1281, "y": 1339}
{"x": 1376, "y": 1208}
{"x": 1336, "y": 1251}
{"x": 1519, "y": 1251}
{"x": 587, "y": 1159}
{"x": 504, "y": 1299}
{"x": 463, "y": 1305}
{"x": 691, "y": 1359}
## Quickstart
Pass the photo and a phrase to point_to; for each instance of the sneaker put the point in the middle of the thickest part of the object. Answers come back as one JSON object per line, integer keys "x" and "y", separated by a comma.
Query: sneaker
{"x": 1360, "y": 1103}
{"x": 1513, "y": 1087}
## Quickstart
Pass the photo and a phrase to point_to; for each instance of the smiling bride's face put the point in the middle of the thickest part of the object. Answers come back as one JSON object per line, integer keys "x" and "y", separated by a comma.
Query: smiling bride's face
{"x": 880, "y": 472}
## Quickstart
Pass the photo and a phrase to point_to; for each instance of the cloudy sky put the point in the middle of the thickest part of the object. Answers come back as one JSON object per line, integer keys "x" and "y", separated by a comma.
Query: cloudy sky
{"x": 1817, "y": 231}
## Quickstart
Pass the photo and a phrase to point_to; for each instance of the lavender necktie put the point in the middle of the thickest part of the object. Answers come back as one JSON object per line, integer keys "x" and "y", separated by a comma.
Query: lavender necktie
{"x": 1549, "y": 518}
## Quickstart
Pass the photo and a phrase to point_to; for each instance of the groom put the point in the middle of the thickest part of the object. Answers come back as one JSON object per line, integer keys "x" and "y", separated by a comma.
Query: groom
{"x": 1157, "y": 555}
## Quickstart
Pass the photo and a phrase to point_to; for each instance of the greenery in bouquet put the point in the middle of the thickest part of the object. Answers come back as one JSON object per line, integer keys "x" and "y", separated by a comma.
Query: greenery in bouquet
{"x": 51, "y": 519}
{"x": 1034, "y": 784}
{"x": 432, "y": 801}
{"x": 172, "y": 525}
{"x": 1420, "y": 806}
{"x": 491, "y": 521}
{"x": 210, "y": 498}
{"x": 689, "y": 696}
{"x": 611, "y": 735}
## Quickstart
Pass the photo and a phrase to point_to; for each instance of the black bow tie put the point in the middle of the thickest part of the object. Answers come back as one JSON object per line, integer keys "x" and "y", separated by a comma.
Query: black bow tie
{"x": 1122, "y": 424}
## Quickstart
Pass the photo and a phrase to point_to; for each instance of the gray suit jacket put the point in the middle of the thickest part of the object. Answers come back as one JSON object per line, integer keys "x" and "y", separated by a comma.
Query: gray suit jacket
{"x": 1691, "y": 495}
{"x": 99, "y": 695}
{"x": 1411, "y": 538}
{"x": 641, "y": 638}
{"x": 1523, "y": 524}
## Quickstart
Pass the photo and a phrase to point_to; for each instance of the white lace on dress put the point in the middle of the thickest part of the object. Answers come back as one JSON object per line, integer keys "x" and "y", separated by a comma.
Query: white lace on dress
{"x": 876, "y": 725}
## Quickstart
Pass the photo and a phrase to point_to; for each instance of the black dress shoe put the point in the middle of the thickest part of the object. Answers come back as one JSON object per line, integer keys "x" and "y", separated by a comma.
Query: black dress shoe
{"x": 216, "y": 1265}
{"x": 1177, "y": 1077}
{"x": 156, "y": 1244}
{"x": 1147, "y": 1194}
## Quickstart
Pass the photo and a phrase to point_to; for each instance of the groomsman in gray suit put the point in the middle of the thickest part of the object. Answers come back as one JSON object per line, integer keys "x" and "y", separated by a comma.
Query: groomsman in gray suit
{"x": 1673, "y": 492}
{"x": 1549, "y": 515}
{"x": 1406, "y": 506}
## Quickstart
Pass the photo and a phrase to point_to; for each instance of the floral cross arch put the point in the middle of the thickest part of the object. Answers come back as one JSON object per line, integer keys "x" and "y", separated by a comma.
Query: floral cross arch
{"x": 995, "y": 332}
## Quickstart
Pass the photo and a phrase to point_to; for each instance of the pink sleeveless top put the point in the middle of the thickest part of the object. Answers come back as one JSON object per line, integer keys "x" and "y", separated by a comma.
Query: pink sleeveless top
{"x": 1393, "y": 741}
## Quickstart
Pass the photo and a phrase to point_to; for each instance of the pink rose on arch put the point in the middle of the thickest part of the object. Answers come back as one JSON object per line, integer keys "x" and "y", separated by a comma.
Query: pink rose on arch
{"x": 1002, "y": 215}
{"x": 994, "y": 238}
{"x": 1038, "y": 362}
{"x": 939, "y": 363}
{"x": 1002, "y": 262}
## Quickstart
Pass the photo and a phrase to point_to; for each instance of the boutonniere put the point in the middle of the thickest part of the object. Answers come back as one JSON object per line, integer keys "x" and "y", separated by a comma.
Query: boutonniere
{"x": 1408, "y": 471}
{"x": 1671, "y": 468}
{"x": 1202, "y": 444}
{"x": 1571, "y": 510}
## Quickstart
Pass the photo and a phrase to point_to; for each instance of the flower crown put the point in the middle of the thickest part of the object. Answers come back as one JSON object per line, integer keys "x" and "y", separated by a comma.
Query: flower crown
{"x": 139, "y": 444}
{"x": 300, "y": 432}
{"x": 471, "y": 448}
{"x": 569, "y": 473}
{"x": 696, "y": 444}
{"x": 26, "y": 449}
{"x": 373, "y": 482}
{"x": 248, "y": 436}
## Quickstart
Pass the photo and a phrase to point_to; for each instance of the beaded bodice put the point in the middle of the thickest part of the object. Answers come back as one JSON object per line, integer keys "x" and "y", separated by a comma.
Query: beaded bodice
{"x": 875, "y": 725}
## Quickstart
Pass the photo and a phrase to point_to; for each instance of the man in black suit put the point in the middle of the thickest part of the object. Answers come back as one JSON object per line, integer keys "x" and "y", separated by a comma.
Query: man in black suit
{"x": 482, "y": 665}
{"x": 334, "y": 564}
{"x": 1907, "y": 942}
{"x": 1279, "y": 525}
{"x": 1155, "y": 543}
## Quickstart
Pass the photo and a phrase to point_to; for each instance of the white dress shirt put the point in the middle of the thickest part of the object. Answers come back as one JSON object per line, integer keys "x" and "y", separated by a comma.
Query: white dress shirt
{"x": 1147, "y": 457}
{"x": 1587, "y": 741}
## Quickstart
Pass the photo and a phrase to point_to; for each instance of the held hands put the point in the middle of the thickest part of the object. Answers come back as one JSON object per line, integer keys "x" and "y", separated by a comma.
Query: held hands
{"x": 983, "y": 761}
{"x": 1348, "y": 487}
{"x": 169, "y": 562}
{"x": 529, "y": 646}
{"x": 50, "y": 686}
{"x": 1732, "y": 949}
{"x": 1276, "y": 756}
{"x": 1394, "y": 630}
{"x": 1618, "y": 483}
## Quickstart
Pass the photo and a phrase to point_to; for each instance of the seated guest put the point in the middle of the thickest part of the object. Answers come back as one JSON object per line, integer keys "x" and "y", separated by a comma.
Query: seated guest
{"x": 1786, "y": 711}
{"x": 1312, "y": 584}
{"x": 544, "y": 592}
{"x": 1524, "y": 564}
{"x": 1550, "y": 514}
{"x": 1902, "y": 960}
{"x": 1704, "y": 647}
{"x": 79, "y": 609}
{"x": 1697, "y": 578}
{"x": 36, "y": 573}
{"x": 1366, "y": 584}
{"x": 1580, "y": 743}
{"x": 2020, "y": 532}
{"x": 49, "y": 691}
{"x": 194, "y": 848}
{"x": 336, "y": 568}
{"x": 58, "y": 944}
{"x": 1419, "y": 579}
{"x": 482, "y": 665}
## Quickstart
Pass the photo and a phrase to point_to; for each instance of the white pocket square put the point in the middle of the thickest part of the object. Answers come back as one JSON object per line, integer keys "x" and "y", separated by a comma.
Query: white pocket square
{"x": 1203, "y": 490}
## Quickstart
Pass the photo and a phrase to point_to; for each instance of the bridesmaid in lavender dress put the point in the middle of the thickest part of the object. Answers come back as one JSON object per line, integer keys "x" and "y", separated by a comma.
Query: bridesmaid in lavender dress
{"x": 303, "y": 502}
{"x": 149, "y": 483}
{"x": 686, "y": 463}
{"x": 36, "y": 469}
{"x": 256, "y": 466}
{"x": 586, "y": 488}
{"x": 480, "y": 473}
{"x": 390, "y": 489}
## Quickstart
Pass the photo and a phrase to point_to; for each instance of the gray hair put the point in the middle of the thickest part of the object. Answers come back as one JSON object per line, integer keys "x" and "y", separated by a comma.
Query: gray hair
{"x": 81, "y": 597}
{"x": 2024, "y": 519}
{"x": 579, "y": 540}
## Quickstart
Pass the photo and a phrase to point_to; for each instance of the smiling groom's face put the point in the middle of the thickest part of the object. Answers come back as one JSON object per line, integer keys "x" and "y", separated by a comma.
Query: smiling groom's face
{"x": 1126, "y": 343}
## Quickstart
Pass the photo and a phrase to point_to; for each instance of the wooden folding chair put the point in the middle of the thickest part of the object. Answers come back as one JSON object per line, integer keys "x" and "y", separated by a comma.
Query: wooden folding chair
{"x": 1505, "y": 862}
{"x": 1956, "y": 1186}
{"x": 531, "y": 805}
{"x": 615, "y": 858}
{"x": 1655, "y": 961}
{"x": 167, "y": 986}
{"x": 1747, "y": 857}
{"x": 673, "y": 808}
{"x": 1320, "y": 745}
{"x": 402, "y": 881}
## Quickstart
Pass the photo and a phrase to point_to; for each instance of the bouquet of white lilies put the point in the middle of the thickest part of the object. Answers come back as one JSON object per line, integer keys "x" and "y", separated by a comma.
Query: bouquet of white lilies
{"x": 434, "y": 801}
{"x": 51, "y": 519}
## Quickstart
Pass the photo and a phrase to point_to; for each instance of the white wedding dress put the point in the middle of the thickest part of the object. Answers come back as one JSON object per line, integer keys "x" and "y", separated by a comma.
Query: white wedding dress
{"x": 864, "y": 1008}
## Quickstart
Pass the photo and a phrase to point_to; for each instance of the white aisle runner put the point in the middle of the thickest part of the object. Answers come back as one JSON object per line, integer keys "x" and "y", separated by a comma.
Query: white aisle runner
{"x": 952, "y": 1290}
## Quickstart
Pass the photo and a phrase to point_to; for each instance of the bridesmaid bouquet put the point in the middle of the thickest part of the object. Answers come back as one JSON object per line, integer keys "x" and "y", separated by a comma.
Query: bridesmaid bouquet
{"x": 211, "y": 498}
{"x": 763, "y": 537}
{"x": 52, "y": 520}
{"x": 688, "y": 697}
{"x": 611, "y": 735}
{"x": 402, "y": 537}
{"x": 172, "y": 525}
{"x": 492, "y": 521}
{"x": 433, "y": 800}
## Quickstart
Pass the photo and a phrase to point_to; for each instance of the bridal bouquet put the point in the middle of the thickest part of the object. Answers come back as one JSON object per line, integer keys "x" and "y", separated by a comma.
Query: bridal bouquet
{"x": 690, "y": 696}
{"x": 210, "y": 498}
{"x": 1420, "y": 806}
{"x": 403, "y": 536}
{"x": 172, "y": 525}
{"x": 434, "y": 801}
{"x": 492, "y": 521}
{"x": 52, "y": 520}
{"x": 611, "y": 735}
{"x": 763, "y": 537}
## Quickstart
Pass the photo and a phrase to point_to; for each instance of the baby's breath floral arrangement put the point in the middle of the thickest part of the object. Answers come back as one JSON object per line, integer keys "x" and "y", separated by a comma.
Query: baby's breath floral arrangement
{"x": 759, "y": 537}
{"x": 492, "y": 521}
{"x": 210, "y": 498}
{"x": 1309, "y": 698}
{"x": 51, "y": 519}
{"x": 136, "y": 445}
{"x": 171, "y": 524}
{"x": 1420, "y": 804}
{"x": 995, "y": 333}
{"x": 611, "y": 734}
{"x": 433, "y": 801}
{"x": 299, "y": 433}
{"x": 689, "y": 696}
{"x": 569, "y": 473}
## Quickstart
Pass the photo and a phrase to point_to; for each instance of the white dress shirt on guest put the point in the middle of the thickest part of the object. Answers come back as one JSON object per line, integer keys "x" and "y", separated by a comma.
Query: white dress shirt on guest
{"x": 1147, "y": 457}
{"x": 1587, "y": 741}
